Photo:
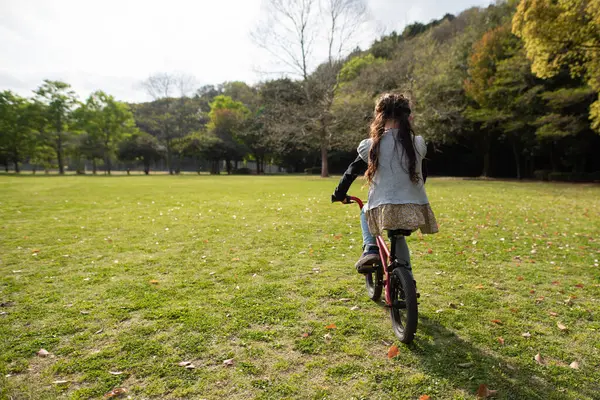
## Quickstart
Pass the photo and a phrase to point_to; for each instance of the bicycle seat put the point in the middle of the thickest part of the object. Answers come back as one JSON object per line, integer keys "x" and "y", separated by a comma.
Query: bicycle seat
{"x": 399, "y": 232}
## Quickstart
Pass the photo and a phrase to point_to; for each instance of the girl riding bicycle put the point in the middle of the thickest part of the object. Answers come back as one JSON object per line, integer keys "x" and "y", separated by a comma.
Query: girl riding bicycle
{"x": 393, "y": 161}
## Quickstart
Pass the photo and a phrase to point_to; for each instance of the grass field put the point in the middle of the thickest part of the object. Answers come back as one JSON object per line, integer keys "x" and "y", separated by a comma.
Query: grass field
{"x": 122, "y": 278}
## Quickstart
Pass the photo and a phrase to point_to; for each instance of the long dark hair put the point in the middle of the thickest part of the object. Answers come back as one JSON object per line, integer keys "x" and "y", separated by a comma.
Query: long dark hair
{"x": 392, "y": 107}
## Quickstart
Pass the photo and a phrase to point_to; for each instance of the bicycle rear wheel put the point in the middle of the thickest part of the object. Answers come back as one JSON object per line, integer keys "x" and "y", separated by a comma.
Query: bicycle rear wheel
{"x": 374, "y": 283}
{"x": 404, "y": 310}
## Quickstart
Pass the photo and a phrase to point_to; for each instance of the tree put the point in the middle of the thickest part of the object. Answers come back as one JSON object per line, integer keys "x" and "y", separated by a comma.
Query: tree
{"x": 107, "y": 122}
{"x": 563, "y": 33}
{"x": 226, "y": 119}
{"x": 17, "y": 136}
{"x": 494, "y": 47}
{"x": 289, "y": 34}
{"x": 169, "y": 117}
{"x": 56, "y": 103}
{"x": 141, "y": 147}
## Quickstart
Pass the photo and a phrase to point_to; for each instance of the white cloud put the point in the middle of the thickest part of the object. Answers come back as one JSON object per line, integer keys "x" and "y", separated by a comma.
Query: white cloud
{"x": 114, "y": 44}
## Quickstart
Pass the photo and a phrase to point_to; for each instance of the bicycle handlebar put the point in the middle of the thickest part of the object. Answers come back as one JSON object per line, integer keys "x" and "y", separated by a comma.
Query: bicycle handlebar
{"x": 357, "y": 201}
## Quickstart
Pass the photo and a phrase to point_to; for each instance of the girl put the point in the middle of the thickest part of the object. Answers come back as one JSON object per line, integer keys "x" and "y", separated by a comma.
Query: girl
{"x": 392, "y": 158}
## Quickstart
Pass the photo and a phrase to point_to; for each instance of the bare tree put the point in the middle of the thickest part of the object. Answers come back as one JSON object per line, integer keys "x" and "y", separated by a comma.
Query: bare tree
{"x": 169, "y": 92}
{"x": 293, "y": 32}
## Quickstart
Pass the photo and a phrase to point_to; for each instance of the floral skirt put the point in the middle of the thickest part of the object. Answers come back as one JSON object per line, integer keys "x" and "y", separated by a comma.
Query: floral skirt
{"x": 401, "y": 216}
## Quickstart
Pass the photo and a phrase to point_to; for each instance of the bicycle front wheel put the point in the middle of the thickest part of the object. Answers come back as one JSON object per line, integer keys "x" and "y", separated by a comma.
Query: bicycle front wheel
{"x": 404, "y": 310}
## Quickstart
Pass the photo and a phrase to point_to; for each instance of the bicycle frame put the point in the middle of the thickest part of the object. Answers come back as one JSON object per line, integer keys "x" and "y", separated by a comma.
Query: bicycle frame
{"x": 384, "y": 254}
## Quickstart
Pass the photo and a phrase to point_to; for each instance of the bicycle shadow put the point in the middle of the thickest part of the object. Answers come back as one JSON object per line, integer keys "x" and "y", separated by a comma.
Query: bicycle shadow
{"x": 440, "y": 352}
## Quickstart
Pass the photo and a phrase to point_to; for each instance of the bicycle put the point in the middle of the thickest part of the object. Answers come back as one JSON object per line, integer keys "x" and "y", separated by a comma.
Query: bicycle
{"x": 400, "y": 288}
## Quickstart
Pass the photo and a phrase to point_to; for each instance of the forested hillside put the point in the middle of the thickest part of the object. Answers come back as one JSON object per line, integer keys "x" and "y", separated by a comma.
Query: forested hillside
{"x": 510, "y": 90}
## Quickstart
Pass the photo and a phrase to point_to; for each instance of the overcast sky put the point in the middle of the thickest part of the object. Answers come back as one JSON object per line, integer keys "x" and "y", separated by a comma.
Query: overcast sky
{"x": 113, "y": 45}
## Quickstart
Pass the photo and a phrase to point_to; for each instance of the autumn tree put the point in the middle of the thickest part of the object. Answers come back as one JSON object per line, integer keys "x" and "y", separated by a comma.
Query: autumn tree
{"x": 561, "y": 34}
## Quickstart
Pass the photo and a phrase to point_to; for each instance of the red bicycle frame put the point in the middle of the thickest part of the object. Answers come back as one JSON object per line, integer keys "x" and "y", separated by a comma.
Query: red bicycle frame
{"x": 384, "y": 254}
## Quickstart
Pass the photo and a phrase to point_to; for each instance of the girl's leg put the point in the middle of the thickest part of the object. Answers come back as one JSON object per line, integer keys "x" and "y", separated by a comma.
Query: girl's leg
{"x": 370, "y": 253}
{"x": 402, "y": 252}
{"x": 368, "y": 239}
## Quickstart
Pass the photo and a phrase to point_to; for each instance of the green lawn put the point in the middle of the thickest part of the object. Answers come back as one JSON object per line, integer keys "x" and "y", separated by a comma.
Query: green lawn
{"x": 133, "y": 275}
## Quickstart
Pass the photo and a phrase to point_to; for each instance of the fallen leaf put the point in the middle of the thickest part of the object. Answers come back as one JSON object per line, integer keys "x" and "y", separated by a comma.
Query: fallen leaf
{"x": 424, "y": 397}
{"x": 483, "y": 392}
{"x": 532, "y": 291}
{"x": 553, "y": 314}
{"x": 519, "y": 278}
{"x": 345, "y": 300}
{"x": 465, "y": 365}
{"x": 480, "y": 286}
{"x": 99, "y": 331}
{"x": 514, "y": 310}
{"x": 331, "y": 326}
{"x": 190, "y": 366}
{"x": 115, "y": 393}
{"x": 154, "y": 282}
{"x": 305, "y": 334}
{"x": 538, "y": 358}
{"x": 60, "y": 382}
{"x": 235, "y": 259}
{"x": 452, "y": 305}
{"x": 501, "y": 340}
{"x": 497, "y": 321}
{"x": 393, "y": 351}
{"x": 385, "y": 343}
{"x": 561, "y": 326}
{"x": 355, "y": 308}
{"x": 228, "y": 363}
{"x": 35, "y": 251}
{"x": 43, "y": 353}
{"x": 429, "y": 251}
{"x": 84, "y": 312}
{"x": 539, "y": 299}
{"x": 337, "y": 237}
{"x": 439, "y": 311}
{"x": 556, "y": 283}
{"x": 115, "y": 372}
{"x": 526, "y": 334}
{"x": 327, "y": 336}
{"x": 574, "y": 365}
{"x": 184, "y": 363}
{"x": 579, "y": 285}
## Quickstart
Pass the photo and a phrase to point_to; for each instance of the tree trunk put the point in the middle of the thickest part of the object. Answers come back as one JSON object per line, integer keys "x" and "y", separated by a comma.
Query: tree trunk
{"x": 235, "y": 165}
{"x": 33, "y": 169}
{"x": 214, "y": 167}
{"x": 107, "y": 163}
{"x": 59, "y": 154}
{"x": 228, "y": 166}
{"x": 486, "y": 155}
{"x": 258, "y": 161}
{"x": 517, "y": 158}
{"x": 324, "y": 164}
{"x": 17, "y": 169}
{"x": 6, "y": 167}
{"x": 169, "y": 159}
{"x": 94, "y": 166}
{"x": 146, "y": 167}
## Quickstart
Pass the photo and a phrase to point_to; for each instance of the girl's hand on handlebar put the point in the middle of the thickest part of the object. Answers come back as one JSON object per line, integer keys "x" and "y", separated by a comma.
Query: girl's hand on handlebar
{"x": 345, "y": 200}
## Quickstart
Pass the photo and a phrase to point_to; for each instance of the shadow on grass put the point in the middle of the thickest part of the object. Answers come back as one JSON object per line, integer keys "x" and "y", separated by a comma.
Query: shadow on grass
{"x": 442, "y": 355}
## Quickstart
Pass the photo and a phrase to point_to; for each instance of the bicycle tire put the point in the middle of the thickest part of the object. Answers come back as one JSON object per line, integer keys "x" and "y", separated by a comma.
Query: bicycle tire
{"x": 374, "y": 283}
{"x": 404, "y": 310}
